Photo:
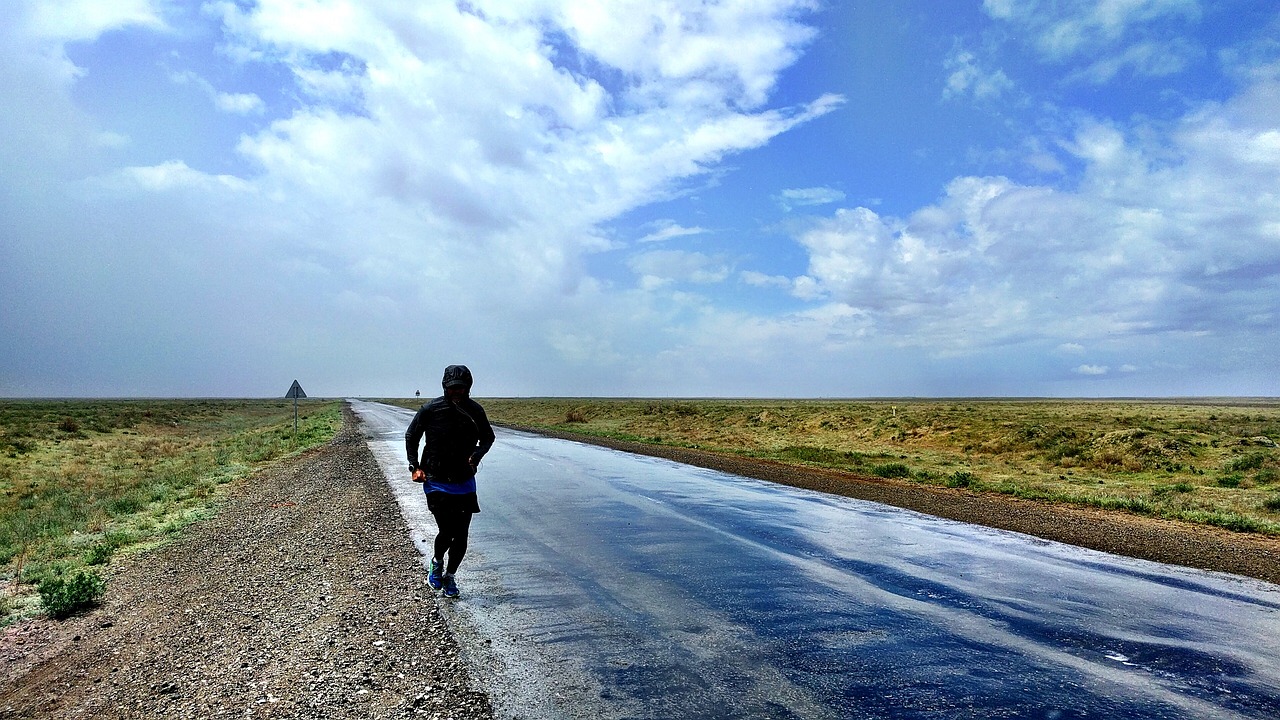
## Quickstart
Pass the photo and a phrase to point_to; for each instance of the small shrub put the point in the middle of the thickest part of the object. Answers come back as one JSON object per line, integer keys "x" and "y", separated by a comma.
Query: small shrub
{"x": 69, "y": 425}
{"x": 1272, "y": 503}
{"x": 62, "y": 597}
{"x": 1266, "y": 476}
{"x": 891, "y": 470}
{"x": 99, "y": 554}
{"x": 961, "y": 479}
{"x": 819, "y": 455}
{"x": 127, "y": 505}
{"x": 1252, "y": 461}
{"x": 1230, "y": 481}
{"x": 1233, "y": 521}
{"x": 575, "y": 415}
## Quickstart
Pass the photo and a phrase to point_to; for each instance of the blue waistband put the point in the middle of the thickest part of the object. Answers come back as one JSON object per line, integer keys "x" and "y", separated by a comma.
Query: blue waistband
{"x": 453, "y": 488}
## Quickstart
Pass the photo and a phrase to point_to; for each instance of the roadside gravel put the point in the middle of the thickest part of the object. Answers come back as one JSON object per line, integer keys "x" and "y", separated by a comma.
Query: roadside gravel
{"x": 1165, "y": 541}
{"x": 303, "y": 598}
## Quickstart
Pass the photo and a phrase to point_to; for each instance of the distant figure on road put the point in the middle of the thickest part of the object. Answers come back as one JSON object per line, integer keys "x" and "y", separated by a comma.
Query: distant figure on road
{"x": 455, "y": 434}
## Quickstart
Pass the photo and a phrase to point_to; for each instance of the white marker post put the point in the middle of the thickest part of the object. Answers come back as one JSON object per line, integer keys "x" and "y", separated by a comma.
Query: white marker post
{"x": 295, "y": 392}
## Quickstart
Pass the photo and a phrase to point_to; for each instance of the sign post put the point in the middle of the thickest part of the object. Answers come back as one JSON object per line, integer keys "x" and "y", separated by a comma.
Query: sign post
{"x": 295, "y": 392}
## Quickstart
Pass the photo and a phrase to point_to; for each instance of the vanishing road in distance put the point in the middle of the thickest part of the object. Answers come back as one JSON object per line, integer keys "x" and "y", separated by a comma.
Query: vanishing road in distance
{"x": 601, "y": 584}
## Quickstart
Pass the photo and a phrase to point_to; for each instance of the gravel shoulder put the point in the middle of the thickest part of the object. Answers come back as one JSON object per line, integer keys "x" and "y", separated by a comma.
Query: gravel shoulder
{"x": 1165, "y": 541}
{"x": 303, "y": 598}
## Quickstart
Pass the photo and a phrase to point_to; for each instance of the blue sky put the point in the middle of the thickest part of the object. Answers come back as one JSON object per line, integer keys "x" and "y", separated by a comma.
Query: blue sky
{"x": 758, "y": 198}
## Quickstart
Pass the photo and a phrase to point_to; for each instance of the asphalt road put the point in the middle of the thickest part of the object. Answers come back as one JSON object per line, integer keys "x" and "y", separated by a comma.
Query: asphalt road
{"x": 606, "y": 585}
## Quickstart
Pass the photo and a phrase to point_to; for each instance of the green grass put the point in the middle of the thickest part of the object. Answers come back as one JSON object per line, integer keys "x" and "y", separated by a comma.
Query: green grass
{"x": 1208, "y": 461}
{"x": 81, "y": 481}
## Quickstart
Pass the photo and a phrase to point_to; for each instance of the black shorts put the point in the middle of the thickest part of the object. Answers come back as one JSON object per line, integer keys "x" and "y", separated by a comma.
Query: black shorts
{"x": 438, "y": 502}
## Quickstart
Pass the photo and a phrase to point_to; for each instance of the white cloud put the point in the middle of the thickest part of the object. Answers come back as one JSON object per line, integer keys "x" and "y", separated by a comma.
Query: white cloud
{"x": 967, "y": 78}
{"x": 681, "y": 50}
{"x": 759, "y": 279}
{"x": 663, "y": 230}
{"x": 175, "y": 174}
{"x": 1071, "y": 349}
{"x": 1091, "y": 370}
{"x": 1063, "y": 30}
{"x": 234, "y": 103}
{"x": 469, "y": 153}
{"x": 792, "y": 198}
{"x": 662, "y": 267}
{"x": 239, "y": 103}
{"x": 87, "y": 19}
{"x": 1144, "y": 59}
{"x": 1142, "y": 247}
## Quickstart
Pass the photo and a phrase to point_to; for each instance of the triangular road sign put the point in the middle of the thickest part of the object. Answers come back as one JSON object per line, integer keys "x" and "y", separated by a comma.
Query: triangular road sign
{"x": 295, "y": 391}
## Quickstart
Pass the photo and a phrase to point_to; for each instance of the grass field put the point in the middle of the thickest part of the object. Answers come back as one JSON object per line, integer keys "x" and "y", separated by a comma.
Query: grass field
{"x": 83, "y": 479}
{"x": 1211, "y": 461}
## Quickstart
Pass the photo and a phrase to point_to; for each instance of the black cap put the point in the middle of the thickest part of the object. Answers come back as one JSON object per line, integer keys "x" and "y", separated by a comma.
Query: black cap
{"x": 455, "y": 375}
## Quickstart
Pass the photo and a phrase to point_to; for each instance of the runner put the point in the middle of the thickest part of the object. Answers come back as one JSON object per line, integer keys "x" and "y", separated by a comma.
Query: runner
{"x": 455, "y": 434}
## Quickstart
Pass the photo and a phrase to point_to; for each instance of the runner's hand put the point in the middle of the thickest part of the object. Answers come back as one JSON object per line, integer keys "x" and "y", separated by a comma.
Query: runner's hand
{"x": 419, "y": 476}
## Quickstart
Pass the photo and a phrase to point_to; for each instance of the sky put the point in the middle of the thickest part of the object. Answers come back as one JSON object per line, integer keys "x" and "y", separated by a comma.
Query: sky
{"x": 737, "y": 198}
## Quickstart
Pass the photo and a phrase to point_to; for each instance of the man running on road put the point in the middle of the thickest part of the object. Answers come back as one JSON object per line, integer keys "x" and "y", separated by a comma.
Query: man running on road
{"x": 455, "y": 434}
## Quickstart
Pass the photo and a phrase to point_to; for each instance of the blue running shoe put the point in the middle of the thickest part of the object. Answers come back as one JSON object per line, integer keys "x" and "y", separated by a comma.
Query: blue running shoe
{"x": 434, "y": 576}
{"x": 450, "y": 587}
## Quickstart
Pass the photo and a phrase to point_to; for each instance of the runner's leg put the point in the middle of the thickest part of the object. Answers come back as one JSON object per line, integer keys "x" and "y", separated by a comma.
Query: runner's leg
{"x": 458, "y": 546}
{"x": 452, "y": 537}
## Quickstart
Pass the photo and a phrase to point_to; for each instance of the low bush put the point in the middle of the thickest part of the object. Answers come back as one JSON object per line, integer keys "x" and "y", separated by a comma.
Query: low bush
{"x": 891, "y": 470}
{"x": 1230, "y": 481}
{"x": 99, "y": 554}
{"x": 820, "y": 455}
{"x": 1252, "y": 461}
{"x": 961, "y": 479}
{"x": 62, "y": 597}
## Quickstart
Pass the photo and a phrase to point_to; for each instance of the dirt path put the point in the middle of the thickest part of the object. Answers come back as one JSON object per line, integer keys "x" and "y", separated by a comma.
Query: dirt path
{"x": 1166, "y": 541}
{"x": 303, "y": 598}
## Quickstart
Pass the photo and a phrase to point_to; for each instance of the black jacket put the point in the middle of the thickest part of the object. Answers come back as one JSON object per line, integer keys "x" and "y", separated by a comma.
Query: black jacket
{"x": 452, "y": 435}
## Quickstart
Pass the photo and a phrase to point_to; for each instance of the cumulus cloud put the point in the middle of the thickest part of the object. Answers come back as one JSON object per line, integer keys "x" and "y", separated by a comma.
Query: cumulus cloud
{"x": 1142, "y": 246}
{"x": 65, "y": 20}
{"x": 1091, "y": 370}
{"x": 465, "y": 155}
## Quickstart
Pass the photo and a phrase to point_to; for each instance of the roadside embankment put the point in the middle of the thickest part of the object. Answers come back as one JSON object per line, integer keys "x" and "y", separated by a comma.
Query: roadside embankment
{"x": 304, "y": 597}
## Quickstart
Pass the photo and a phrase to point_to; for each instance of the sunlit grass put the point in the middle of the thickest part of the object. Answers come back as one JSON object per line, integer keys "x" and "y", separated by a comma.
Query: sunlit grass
{"x": 1209, "y": 461}
{"x": 83, "y": 480}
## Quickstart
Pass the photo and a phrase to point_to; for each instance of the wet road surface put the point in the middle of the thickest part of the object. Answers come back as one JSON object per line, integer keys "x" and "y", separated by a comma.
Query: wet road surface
{"x": 606, "y": 585}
